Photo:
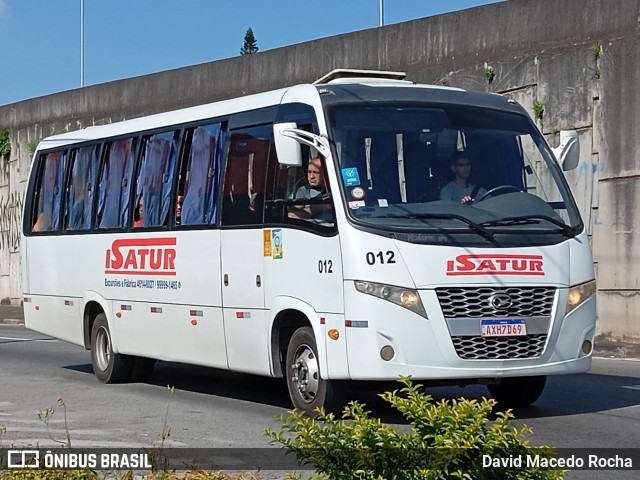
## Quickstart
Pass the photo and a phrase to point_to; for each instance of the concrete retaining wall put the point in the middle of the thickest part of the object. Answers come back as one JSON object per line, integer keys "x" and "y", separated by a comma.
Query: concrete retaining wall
{"x": 539, "y": 50}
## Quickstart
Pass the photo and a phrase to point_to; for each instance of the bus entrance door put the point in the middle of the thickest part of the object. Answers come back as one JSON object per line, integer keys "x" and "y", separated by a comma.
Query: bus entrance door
{"x": 243, "y": 300}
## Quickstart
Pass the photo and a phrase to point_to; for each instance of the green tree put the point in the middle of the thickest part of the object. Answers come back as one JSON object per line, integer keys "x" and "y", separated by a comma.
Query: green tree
{"x": 250, "y": 43}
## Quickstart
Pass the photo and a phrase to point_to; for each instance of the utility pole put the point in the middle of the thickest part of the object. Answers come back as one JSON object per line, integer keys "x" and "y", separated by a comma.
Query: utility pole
{"x": 81, "y": 43}
{"x": 382, "y": 13}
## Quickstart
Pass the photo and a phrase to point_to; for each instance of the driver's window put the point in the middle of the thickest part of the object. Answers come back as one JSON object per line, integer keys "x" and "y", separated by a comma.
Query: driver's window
{"x": 300, "y": 195}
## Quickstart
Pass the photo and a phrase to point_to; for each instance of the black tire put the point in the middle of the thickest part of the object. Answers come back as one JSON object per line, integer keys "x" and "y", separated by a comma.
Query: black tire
{"x": 307, "y": 389}
{"x": 519, "y": 391}
{"x": 108, "y": 366}
{"x": 142, "y": 369}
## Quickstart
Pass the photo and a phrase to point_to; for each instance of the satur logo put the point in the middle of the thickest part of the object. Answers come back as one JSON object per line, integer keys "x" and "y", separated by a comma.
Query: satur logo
{"x": 141, "y": 256}
{"x": 496, "y": 264}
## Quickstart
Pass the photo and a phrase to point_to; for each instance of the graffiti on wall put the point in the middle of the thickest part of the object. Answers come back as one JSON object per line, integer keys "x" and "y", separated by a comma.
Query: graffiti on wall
{"x": 10, "y": 222}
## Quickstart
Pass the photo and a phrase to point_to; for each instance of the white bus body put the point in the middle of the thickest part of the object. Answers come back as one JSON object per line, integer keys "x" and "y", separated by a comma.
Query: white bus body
{"x": 384, "y": 279}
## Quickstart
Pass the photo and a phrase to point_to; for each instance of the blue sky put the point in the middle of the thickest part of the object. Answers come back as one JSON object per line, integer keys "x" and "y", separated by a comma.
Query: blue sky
{"x": 40, "y": 39}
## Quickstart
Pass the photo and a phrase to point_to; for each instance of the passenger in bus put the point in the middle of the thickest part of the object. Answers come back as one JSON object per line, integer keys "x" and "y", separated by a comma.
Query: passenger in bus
{"x": 138, "y": 215}
{"x": 43, "y": 222}
{"x": 459, "y": 189}
{"x": 315, "y": 186}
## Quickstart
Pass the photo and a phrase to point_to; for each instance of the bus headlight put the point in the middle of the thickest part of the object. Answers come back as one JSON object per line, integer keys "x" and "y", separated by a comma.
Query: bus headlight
{"x": 405, "y": 297}
{"x": 578, "y": 294}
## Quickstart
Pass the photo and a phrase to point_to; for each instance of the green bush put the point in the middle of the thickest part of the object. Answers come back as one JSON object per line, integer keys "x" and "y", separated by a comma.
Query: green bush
{"x": 445, "y": 440}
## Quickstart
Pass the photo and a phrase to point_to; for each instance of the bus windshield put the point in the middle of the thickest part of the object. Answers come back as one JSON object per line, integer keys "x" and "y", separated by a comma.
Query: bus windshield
{"x": 450, "y": 170}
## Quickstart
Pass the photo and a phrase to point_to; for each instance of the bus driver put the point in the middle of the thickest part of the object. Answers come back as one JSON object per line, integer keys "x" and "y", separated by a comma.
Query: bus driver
{"x": 459, "y": 189}
{"x": 315, "y": 186}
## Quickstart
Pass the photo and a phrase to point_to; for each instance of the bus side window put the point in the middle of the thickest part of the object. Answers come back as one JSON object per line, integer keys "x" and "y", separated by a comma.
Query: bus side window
{"x": 199, "y": 175}
{"x": 155, "y": 178}
{"x": 244, "y": 180}
{"x": 81, "y": 188}
{"x": 115, "y": 184}
{"x": 46, "y": 212}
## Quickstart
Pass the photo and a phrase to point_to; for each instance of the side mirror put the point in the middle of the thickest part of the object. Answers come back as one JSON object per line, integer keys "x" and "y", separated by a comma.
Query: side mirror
{"x": 568, "y": 152}
{"x": 288, "y": 139}
{"x": 287, "y": 147}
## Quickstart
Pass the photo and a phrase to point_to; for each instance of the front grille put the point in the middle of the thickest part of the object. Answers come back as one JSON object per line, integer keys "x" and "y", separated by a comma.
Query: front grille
{"x": 459, "y": 303}
{"x": 468, "y": 302}
{"x": 496, "y": 348}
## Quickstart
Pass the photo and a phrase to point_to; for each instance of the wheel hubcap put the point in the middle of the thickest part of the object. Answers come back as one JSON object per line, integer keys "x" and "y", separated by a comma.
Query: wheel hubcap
{"x": 103, "y": 349}
{"x": 305, "y": 374}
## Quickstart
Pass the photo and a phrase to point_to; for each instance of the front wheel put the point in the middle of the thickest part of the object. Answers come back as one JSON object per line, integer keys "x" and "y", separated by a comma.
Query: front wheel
{"x": 108, "y": 366}
{"x": 307, "y": 389}
{"x": 519, "y": 391}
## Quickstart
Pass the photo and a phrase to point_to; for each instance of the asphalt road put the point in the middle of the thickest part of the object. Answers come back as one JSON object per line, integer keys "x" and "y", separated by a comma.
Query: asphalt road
{"x": 211, "y": 408}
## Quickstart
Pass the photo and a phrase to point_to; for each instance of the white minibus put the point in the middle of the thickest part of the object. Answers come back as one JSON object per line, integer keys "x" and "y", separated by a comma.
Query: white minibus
{"x": 334, "y": 234}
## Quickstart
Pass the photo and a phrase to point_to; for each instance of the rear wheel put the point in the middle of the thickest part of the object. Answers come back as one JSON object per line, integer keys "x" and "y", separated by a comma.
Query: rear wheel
{"x": 108, "y": 366}
{"x": 307, "y": 389}
{"x": 519, "y": 391}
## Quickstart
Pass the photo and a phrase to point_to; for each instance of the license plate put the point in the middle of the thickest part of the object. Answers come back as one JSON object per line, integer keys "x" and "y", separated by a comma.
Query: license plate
{"x": 503, "y": 328}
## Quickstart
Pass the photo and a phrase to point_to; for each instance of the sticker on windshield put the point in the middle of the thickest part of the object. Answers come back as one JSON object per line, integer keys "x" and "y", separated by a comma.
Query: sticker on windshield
{"x": 357, "y": 193}
{"x": 356, "y": 204}
{"x": 350, "y": 176}
{"x": 382, "y": 202}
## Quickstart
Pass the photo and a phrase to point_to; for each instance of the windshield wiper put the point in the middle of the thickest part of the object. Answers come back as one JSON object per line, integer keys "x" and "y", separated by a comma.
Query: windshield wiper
{"x": 479, "y": 229}
{"x": 530, "y": 219}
